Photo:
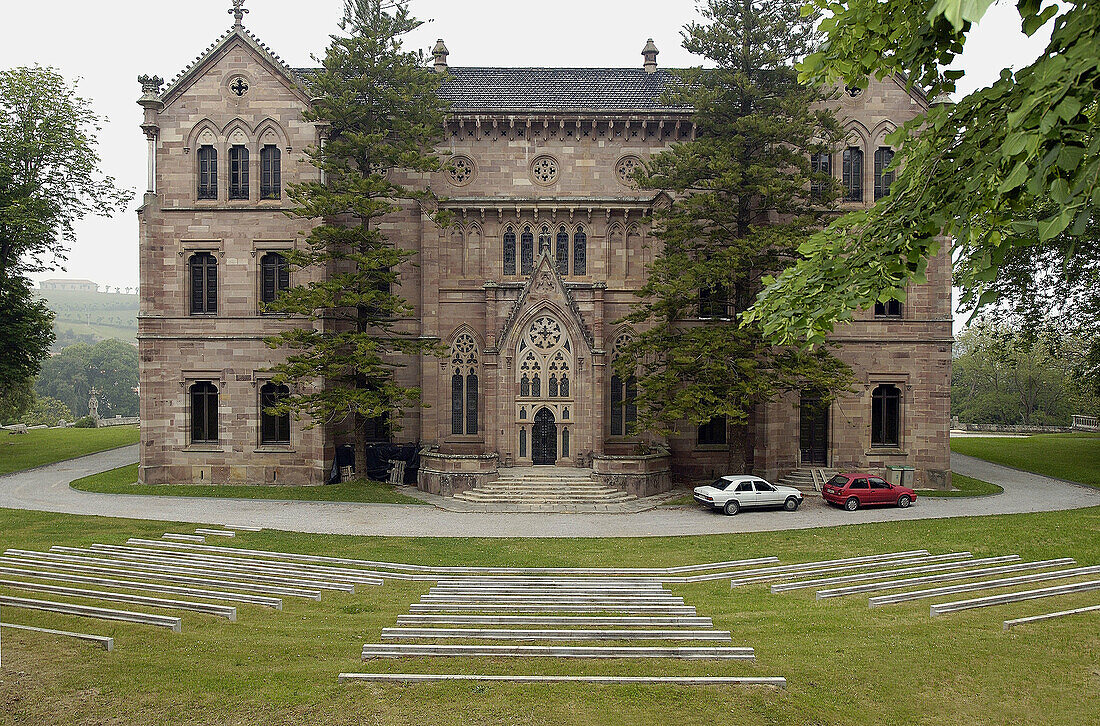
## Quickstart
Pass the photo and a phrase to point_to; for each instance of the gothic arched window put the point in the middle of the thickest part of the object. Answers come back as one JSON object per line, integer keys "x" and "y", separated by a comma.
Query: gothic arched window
{"x": 509, "y": 251}
{"x": 552, "y": 386}
{"x": 464, "y": 386}
{"x": 885, "y": 416}
{"x": 853, "y": 174}
{"x": 561, "y": 251}
{"x": 208, "y": 172}
{"x": 580, "y": 252}
{"x": 274, "y": 427}
{"x": 624, "y": 409}
{"x": 526, "y": 252}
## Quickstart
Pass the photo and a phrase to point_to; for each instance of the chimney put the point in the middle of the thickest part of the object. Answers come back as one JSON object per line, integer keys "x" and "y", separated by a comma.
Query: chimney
{"x": 440, "y": 53}
{"x": 649, "y": 53}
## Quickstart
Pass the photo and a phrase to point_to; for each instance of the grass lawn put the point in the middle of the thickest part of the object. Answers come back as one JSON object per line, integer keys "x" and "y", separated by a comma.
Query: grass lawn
{"x": 123, "y": 481}
{"x": 1074, "y": 457}
{"x": 845, "y": 663}
{"x": 46, "y": 446}
{"x": 964, "y": 486}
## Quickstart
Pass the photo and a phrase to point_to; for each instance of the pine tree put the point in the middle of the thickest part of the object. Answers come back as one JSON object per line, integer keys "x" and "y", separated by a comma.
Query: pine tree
{"x": 379, "y": 107}
{"x": 745, "y": 196}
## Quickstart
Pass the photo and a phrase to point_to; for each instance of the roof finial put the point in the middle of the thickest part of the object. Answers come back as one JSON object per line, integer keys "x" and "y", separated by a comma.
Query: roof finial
{"x": 238, "y": 13}
{"x": 440, "y": 53}
{"x": 649, "y": 53}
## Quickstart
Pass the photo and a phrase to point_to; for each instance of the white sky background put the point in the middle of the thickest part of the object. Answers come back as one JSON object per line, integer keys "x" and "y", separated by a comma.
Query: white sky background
{"x": 109, "y": 44}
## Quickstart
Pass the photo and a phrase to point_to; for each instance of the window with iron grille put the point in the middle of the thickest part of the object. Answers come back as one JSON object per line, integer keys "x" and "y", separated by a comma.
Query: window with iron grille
{"x": 208, "y": 172}
{"x": 883, "y": 179}
{"x": 274, "y": 427}
{"x": 821, "y": 165}
{"x": 203, "y": 271}
{"x": 713, "y": 432}
{"x": 271, "y": 177}
{"x": 274, "y": 276}
{"x": 204, "y": 412}
{"x": 509, "y": 251}
{"x": 885, "y": 415}
{"x": 853, "y": 174}
{"x": 238, "y": 172}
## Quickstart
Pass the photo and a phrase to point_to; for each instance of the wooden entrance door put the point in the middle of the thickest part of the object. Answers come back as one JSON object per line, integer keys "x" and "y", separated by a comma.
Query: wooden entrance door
{"x": 544, "y": 438}
{"x": 813, "y": 432}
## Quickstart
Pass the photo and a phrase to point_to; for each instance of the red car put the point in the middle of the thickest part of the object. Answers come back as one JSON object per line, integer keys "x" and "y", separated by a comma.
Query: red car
{"x": 853, "y": 491}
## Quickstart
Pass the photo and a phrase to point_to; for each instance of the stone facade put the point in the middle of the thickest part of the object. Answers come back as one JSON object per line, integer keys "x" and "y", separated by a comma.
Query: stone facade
{"x": 550, "y": 243}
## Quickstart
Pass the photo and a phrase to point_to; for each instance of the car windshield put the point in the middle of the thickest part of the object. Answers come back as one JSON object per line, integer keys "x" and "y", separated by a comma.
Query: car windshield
{"x": 839, "y": 480}
{"x": 720, "y": 484}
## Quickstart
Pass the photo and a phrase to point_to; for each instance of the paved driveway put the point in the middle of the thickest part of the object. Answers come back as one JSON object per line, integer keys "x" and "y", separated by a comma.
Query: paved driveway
{"x": 47, "y": 489}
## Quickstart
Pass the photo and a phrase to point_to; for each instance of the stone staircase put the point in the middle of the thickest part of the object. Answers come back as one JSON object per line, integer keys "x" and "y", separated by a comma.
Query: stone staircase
{"x": 803, "y": 479}
{"x": 544, "y": 485}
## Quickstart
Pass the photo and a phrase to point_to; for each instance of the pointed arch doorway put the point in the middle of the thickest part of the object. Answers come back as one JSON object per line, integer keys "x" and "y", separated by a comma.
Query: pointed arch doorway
{"x": 544, "y": 439}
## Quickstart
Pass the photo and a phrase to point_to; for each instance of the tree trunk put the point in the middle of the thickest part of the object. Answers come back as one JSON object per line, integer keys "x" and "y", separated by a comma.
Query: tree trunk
{"x": 360, "y": 446}
{"x": 738, "y": 443}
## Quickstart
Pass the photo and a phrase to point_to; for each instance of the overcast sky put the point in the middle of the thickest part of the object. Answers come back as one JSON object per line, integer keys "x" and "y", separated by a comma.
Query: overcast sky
{"x": 109, "y": 44}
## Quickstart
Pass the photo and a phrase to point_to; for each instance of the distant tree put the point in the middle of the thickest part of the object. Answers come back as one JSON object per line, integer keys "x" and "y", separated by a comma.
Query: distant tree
{"x": 46, "y": 412}
{"x": 109, "y": 366}
{"x": 15, "y": 399}
{"x": 745, "y": 196}
{"x": 973, "y": 172}
{"x": 383, "y": 117}
{"x": 49, "y": 180}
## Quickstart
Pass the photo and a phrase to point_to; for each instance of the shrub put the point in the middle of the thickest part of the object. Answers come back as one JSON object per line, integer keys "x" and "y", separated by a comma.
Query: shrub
{"x": 85, "y": 423}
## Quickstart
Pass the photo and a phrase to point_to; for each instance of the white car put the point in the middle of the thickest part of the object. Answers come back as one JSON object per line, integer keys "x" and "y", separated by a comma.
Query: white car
{"x": 733, "y": 493}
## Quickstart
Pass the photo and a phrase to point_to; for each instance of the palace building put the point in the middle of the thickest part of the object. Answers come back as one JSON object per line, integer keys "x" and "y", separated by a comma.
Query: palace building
{"x": 550, "y": 242}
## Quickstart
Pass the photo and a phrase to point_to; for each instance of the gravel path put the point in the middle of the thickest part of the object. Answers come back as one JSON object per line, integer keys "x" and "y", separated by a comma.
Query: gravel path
{"x": 47, "y": 489}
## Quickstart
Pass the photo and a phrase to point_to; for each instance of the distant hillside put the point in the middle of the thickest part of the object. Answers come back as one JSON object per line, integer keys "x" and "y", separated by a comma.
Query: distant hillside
{"x": 88, "y": 317}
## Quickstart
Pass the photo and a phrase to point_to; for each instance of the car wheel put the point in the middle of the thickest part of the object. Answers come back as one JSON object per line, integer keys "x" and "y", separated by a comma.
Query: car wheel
{"x": 791, "y": 504}
{"x": 852, "y": 504}
{"x": 732, "y": 507}
{"x": 904, "y": 501}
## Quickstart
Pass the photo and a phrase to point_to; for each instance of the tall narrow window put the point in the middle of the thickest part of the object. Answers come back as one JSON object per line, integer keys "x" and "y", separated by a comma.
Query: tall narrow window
{"x": 536, "y": 386}
{"x": 271, "y": 175}
{"x": 888, "y": 309}
{"x": 883, "y": 179}
{"x": 713, "y": 432}
{"x": 203, "y": 270}
{"x": 238, "y": 172}
{"x": 274, "y": 276}
{"x": 885, "y": 415}
{"x": 204, "y": 412}
{"x": 544, "y": 240}
{"x": 853, "y": 174}
{"x": 523, "y": 443}
{"x": 526, "y": 252}
{"x": 208, "y": 172}
{"x": 564, "y": 442}
{"x": 624, "y": 411}
{"x": 712, "y": 302}
{"x": 464, "y": 386}
{"x": 509, "y": 251}
{"x": 580, "y": 252}
{"x": 821, "y": 166}
{"x": 562, "y": 251}
{"x": 274, "y": 427}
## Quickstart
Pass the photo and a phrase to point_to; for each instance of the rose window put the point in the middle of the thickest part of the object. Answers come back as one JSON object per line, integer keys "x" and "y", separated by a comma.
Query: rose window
{"x": 626, "y": 168}
{"x": 545, "y": 333}
{"x": 461, "y": 170}
{"x": 545, "y": 170}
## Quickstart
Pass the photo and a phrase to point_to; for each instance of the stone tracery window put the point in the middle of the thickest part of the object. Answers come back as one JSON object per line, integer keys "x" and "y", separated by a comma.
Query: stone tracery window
{"x": 461, "y": 170}
{"x": 623, "y": 392}
{"x": 464, "y": 385}
{"x": 625, "y": 169}
{"x": 544, "y": 170}
{"x": 545, "y": 353}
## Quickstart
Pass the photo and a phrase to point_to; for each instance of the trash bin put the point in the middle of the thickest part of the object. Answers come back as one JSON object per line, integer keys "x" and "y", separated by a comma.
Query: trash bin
{"x": 901, "y": 475}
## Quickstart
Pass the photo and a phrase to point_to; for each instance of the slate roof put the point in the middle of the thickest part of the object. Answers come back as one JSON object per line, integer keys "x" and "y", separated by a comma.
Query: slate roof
{"x": 615, "y": 90}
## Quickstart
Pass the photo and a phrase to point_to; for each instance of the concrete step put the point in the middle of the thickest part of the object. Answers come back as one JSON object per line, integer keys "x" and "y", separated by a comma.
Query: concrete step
{"x": 986, "y": 585}
{"x": 674, "y": 680}
{"x": 943, "y": 577}
{"x": 544, "y": 620}
{"x": 1049, "y": 616}
{"x": 222, "y": 611}
{"x": 385, "y": 650}
{"x": 533, "y": 634}
{"x": 101, "y": 640}
{"x": 1012, "y": 597}
{"x": 163, "y": 621}
{"x": 550, "y": 607}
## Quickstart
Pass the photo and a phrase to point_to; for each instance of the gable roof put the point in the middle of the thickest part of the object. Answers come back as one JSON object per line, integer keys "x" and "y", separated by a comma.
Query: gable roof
{"x": 544, "y": 284}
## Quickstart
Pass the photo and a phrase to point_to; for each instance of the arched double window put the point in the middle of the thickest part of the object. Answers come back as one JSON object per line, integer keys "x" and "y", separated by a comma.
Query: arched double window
{"x": 509, "y": 251}
{"x": 464, "y": 385}
{"x": 852, "y": 174}
{"x": 274, "y": 276}
{"x": 274, "y": 426}
{"x": 884, "y": 155}
{"x": 202, "y": 270}
{"x": 545, "y": 355}
{"x": 204, "y": 412}
{"x": 885, "y": 416}
{"x": 208, "y": 172}
{"x": 623, "y": 395}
